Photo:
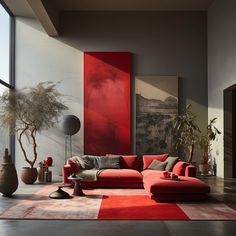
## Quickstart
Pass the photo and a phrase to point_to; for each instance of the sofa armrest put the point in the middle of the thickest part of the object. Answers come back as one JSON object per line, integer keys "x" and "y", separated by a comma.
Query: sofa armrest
{"x": 191, "y": 171}
{"x": 66, "y": 172}
{"x": 71, "y": 167}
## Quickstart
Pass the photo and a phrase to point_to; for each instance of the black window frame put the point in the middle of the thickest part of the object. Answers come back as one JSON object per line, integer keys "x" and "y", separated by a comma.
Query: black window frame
{"x": 11, "y": 84}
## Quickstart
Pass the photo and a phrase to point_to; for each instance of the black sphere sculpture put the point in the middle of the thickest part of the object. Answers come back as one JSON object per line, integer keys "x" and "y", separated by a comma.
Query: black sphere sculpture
{"x": 71, "y": 125}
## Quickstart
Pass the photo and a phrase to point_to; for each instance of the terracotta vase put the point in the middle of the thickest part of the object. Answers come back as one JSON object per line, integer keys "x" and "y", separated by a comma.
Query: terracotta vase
{"x": 204, "y": 169}
{"x": 8, "y": 176}
{"x": 29, "y": 175}
{"x": 40, "y": 170}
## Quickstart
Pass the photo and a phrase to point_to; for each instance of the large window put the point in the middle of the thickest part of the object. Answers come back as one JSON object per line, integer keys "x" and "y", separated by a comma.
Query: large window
{"x": 7, "y": 29}
{"x": 4, "y": 45}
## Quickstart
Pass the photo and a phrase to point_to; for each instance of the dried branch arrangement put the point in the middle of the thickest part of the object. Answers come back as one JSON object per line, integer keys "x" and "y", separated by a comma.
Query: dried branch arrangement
{"x": 29, "y": 111}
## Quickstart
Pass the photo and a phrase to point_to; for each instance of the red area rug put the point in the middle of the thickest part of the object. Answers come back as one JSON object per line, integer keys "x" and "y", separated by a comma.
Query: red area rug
{"x": 111, "y": 204}
{"x": 138, "y": 208}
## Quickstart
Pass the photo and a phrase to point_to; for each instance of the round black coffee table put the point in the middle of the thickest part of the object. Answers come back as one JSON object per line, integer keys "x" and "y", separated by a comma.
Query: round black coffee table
{"x": 77, "y": 187}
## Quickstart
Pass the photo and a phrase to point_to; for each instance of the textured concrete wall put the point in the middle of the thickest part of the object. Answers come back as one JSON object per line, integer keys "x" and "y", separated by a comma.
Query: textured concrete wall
{"x": 161, "y": 43}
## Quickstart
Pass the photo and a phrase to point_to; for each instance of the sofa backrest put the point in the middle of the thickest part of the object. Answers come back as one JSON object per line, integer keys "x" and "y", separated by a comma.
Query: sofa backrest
{"x": 127, "y": 161}
{"x": 147, "y": 159}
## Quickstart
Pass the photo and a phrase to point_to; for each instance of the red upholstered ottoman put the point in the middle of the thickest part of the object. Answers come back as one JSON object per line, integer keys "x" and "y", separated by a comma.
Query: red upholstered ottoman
{"x": 188, "y": 188}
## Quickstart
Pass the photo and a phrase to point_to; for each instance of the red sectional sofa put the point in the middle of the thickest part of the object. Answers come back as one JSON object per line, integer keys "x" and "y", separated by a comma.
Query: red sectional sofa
{"x": 135, "y": 174}
{"x": 127, "y": 176}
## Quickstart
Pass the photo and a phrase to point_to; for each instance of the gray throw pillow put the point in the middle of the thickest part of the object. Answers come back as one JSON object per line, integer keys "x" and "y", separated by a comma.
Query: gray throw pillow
{"x": 93, "y": 160}
{"x": 157, "y": 165}
{"x": 109, "y": 162}
{"x": 171, "y": 161}
{"x": 84, "y": 161}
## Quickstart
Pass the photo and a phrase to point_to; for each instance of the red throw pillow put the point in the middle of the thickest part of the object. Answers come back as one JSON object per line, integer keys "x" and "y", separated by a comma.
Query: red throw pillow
{"x": 147, "y": 159}
{"x": 179, "y": 168}
{"x": 127, "y": 161}
{"x": 74, "y": 166}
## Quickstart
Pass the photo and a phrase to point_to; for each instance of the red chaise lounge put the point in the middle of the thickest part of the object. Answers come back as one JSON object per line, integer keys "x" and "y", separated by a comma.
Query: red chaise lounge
{"x": 188, "y": 188}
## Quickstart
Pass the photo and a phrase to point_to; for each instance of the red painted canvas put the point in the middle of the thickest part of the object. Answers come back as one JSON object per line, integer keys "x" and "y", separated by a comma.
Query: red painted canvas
{"x": 106, "y": 103}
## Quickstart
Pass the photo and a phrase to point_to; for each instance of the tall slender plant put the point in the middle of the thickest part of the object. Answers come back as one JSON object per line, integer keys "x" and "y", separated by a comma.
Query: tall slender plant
{"x": 29, "y": 111}
{"x": 186, "y": 131}
{"x": 210, "y": 134}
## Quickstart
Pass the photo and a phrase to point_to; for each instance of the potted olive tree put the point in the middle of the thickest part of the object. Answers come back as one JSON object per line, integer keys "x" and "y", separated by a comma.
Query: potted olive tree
{"x": 186, "y": 132}
{"x": 27, "y": 112}
{"x": 205, "y": 139}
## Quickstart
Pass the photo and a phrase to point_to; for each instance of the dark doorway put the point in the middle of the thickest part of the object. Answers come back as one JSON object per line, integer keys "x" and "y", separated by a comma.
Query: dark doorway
{"x": 230, "y": 132}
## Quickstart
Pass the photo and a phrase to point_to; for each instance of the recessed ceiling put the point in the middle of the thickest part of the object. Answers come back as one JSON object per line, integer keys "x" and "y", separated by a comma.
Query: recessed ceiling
{"x": 22, "y": 8}
{"x": 131, "y": 5}
{"x": 47, "y": 11}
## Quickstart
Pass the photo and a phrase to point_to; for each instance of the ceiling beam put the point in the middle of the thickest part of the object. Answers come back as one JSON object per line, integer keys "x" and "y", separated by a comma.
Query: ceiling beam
{"x": 22, "y": 10}
{"x": 47, "y": 16}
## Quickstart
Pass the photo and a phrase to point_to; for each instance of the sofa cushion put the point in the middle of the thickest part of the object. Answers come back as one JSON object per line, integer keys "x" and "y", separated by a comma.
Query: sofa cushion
{"x": 127, "y": 161}
{"x": 108, "y": 162}
{"x": 171, "y": 161}
{"x": 187, "y": 185}
{"x": 179, "y": 168}
{"x": 155, "y": 173}
{"x": 157, "y": 165}
{"x": 147, "y": 159}
{"x": 111, "y": 185}
{"x": 119, "y": 175}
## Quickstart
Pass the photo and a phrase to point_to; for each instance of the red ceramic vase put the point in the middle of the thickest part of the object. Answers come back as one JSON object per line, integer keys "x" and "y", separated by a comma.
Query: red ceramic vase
{"x": 48, "y": 161}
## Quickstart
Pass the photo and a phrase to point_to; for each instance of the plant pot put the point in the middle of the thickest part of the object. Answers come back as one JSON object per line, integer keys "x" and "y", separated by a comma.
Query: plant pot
{"x": 29, "y": 175}
{"x": 8, "y": 176}
{"x": 204, "y": 169}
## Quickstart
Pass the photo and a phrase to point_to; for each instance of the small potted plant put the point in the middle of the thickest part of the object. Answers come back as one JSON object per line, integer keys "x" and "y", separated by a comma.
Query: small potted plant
{"x": 186, "y": 131}
{"x": 205, "y": 139}
{"x": 27, "y": 112}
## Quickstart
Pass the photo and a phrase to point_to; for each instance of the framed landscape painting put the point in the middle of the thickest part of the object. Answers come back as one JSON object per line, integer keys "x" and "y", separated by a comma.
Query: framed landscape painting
{"x": 156, "y": 107}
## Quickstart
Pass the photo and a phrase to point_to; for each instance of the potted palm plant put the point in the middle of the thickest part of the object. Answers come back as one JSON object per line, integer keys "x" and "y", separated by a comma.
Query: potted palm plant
{"x": 27, "y": 112}
{"x": 205, "y": 139}
{"x": 186, "y": 131}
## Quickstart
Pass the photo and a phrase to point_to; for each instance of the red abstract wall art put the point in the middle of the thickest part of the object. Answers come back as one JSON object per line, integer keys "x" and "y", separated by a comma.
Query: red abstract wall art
{"x": 106, "y": 103}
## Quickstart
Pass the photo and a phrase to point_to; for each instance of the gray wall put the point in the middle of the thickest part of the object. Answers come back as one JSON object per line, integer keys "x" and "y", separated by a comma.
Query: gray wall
{"x": 42, "y": 58}
{"x": 221, "y": 65}
{"x": 161, "y": 43}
